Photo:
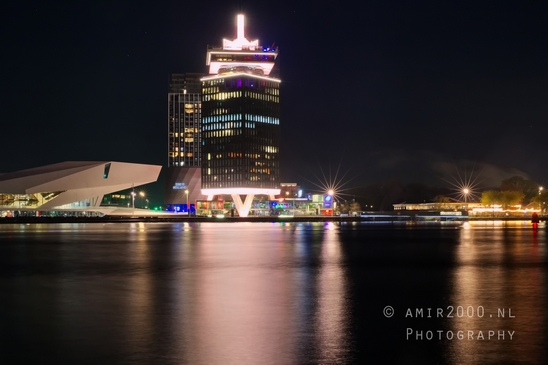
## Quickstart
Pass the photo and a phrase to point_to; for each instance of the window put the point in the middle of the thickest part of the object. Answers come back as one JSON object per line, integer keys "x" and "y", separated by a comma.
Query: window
{"x": 106, "y": 171}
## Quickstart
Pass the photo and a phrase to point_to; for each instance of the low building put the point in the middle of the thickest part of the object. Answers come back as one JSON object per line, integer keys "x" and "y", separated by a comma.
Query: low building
{"x": 437, "y": 206}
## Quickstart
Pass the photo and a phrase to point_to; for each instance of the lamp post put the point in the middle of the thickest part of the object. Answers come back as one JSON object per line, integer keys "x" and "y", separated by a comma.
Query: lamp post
{"x": 187, "y": 206}
{"x": 331, "y": 193}
{"x": 540, "y": 203}
{"x": 133, "y": 199}
{"x": 142, "y": 194}
{"x": 465, "y": 192}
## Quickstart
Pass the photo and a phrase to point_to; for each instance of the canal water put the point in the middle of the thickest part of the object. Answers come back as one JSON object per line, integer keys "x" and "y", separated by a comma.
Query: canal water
{"x": 273, "y": 293}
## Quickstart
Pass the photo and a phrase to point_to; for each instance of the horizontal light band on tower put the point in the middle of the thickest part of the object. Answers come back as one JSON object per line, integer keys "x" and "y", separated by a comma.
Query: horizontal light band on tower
{"x": 238, "y": 117}
{"x": 261, "y": 52}
{"x": 222, "y": 118}
{"x": 239, "y": 74}
{"x": 220, "y": 191}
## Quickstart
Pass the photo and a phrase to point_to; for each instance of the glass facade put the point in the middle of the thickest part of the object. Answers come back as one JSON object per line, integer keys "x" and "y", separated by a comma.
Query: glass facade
{"x": 26, "y": 201}
{"x": 240, "y": 131}
{"x": 184, "y": 115}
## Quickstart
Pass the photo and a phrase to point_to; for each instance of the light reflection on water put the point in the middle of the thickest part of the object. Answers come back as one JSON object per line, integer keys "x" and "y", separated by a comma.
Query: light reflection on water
{"x": 502, "y": 271}
{"x": 280, "y": 293}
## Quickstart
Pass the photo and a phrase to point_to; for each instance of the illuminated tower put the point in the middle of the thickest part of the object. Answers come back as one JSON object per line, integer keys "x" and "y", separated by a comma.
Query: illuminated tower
{"x": 183, "y": 118}
{"x": 182, "y": 179}
{"x": 240, "y": 121}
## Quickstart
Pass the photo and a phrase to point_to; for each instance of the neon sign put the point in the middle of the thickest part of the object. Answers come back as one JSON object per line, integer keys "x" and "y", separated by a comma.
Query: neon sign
{"x": 179, "y": 186}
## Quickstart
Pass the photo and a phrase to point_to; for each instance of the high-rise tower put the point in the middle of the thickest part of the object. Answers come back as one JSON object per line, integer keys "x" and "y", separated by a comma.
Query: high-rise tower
{"x": 184, "y": 105}
{"x": 184, "y": 114}
{"x": 241, "y": 121}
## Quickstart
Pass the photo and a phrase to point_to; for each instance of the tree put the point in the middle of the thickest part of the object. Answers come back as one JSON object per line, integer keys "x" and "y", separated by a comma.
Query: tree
{"x": 355, "y": 207}
{"x": 442, "y": 199}
{"x": 542, "y": 200}
{"x": 517, "y": 183}
{"x": 510, "y": 198}
{"x": 348, "y": 207}
{"x": 503, "y": 198}
{"x": 490, "y": 197}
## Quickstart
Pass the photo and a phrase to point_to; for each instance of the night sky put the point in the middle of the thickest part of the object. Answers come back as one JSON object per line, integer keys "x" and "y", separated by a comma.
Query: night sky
{"x": 417, "y": 91}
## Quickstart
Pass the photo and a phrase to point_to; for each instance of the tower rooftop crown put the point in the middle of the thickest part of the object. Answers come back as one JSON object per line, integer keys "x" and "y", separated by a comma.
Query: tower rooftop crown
{"x": 241, "y": 52}
{"x": 240, "y": 42}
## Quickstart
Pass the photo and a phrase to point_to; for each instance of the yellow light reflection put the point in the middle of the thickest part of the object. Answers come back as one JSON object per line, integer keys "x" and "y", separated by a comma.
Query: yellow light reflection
{"x": 493, "y": 274}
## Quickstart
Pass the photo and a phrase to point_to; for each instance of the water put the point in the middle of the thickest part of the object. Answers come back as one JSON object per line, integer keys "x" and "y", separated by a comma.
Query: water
{"x": 267, "y": 293}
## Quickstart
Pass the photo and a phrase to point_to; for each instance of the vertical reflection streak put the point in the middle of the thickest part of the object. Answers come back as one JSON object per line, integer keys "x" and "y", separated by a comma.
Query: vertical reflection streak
{"x": 140, "y": 300}
{"x": 332, "y": 312}
{"x": 236, "y": 297}
{"x": 499, "y": 268}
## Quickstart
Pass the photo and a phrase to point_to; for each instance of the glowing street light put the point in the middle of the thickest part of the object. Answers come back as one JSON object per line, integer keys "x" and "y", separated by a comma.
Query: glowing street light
{"x": 331, "y": 193}
{"x": 142, "y": 194}
{"x": 187, "y": 206}
{"x": 465, "y": 192}
{"x": 540, "y": 188}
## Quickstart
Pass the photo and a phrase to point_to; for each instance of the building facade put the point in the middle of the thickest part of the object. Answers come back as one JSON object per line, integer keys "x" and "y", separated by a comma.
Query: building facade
{"x": 184, "y": 117}
{"x": 184, "y": 113}
{"x": 240, "y": 121}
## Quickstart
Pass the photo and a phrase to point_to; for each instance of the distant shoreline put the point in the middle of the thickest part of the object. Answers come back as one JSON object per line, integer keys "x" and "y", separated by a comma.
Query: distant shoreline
{"x": 388, "y": 218}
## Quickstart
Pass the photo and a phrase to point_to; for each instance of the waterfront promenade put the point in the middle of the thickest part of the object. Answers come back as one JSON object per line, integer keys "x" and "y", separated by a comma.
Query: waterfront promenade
{"x": 373, "y": 217}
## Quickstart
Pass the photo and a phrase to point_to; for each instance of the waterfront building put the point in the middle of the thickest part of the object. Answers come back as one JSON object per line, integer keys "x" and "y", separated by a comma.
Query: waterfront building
{"x": 182, "y": 180}
{"x": 184, "y": 115}
{"x": 72, "y": 186}
{"x": 240, "y": 122}
{"x": 437, "y": 206}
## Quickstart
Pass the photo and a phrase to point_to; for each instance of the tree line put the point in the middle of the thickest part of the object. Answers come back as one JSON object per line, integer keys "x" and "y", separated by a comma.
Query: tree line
{"x": 381, "y": 196}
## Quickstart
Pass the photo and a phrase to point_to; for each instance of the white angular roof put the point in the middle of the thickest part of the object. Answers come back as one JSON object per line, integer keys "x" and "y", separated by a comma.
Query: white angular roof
{"x": 78, "y": 180}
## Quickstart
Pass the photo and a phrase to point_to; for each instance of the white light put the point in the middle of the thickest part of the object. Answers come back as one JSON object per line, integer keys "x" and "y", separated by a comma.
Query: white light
{"x": 240, "y": 25}
{"x": 239, "y": 74}
{"x": 240, "y": 41}
{"x": 241, "y": 191}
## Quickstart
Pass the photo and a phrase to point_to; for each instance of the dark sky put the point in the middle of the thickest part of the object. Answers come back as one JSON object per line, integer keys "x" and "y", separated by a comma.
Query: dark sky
{"x": 385, "y": 89}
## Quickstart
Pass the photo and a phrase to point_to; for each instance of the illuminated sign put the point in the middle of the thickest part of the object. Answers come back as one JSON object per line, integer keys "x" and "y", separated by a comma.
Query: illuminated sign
{"x": 179, "y": 186}
{"x": 327, "y": 201}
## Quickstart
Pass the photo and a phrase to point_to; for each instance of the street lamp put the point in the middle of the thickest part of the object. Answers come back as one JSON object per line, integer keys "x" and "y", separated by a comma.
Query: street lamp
{"x": 142, "y": 194}
{"x": 465, "y": 192}
{"x": 540, "y": 203}
{"x": 187, "y": 206}
{"x": 331, "y": 193}
{"x": 133, "y": 199}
